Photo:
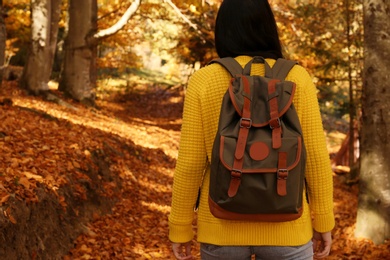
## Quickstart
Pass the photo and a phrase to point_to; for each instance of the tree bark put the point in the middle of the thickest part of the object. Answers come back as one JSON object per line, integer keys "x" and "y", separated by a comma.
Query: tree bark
{"x": 44, "y": 28}
{"x": 3, "y": 37}
{"x": 78, "y": 78}
{"x": 373, "y": 219}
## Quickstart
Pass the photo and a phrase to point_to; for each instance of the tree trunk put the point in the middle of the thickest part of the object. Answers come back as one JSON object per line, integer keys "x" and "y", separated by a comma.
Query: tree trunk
{"x": 3, "y": 36}
{"x": 78, "y": 78}
{"x": 373, "y": 219}
{"x": 44, "y": 28}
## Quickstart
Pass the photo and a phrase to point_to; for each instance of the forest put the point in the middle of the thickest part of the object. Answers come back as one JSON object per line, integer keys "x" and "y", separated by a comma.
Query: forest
{"x": 91, "y": 100}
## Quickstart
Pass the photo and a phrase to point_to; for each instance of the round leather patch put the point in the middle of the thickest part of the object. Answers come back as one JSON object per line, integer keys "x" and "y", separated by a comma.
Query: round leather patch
{"x": 259, "y": 151}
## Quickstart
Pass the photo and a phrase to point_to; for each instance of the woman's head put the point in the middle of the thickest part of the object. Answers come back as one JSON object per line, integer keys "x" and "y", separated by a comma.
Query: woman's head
{"x": 246, "y": 27}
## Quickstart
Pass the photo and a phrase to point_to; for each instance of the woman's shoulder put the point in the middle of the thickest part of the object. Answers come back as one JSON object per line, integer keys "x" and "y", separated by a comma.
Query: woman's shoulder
{"x": 209, "y": 73}
{"x": 214, "y": 71}
{"x": 299, "y": 74}
{"x": 299, "y": 69}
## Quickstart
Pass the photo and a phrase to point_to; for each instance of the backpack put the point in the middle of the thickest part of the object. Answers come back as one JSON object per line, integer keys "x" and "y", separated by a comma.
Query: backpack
{"x": 258, "y": 157}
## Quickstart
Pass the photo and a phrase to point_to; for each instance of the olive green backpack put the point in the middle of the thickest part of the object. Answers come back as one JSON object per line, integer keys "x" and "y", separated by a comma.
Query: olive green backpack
{"x": 258, "y": 158}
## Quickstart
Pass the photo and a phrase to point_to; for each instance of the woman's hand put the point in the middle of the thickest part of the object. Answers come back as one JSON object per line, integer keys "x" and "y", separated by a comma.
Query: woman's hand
{"x": 182, "y": 251}
{"x": 322, "y": 243}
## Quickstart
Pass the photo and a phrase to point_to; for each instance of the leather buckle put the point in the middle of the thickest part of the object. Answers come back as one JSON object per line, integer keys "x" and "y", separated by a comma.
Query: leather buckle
{"x": 246, "y": 122}
{"x": 235, "y": 182}
{"x": 275, "y": 123}
{"x": 236, "y": 174}
{"x": 282, "y": 174}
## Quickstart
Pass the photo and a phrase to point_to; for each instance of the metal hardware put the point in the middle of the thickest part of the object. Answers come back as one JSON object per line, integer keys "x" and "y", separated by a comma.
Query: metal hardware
{"x": 282, "y": 174}
{"x": 242, "y": 124}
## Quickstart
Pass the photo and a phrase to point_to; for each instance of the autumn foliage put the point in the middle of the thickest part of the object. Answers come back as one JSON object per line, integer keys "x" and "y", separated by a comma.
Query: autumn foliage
{"x": 81, "y": 182}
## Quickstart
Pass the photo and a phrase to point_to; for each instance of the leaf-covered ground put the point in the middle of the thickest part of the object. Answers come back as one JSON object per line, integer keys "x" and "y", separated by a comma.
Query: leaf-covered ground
{"x": 124, "y": 151}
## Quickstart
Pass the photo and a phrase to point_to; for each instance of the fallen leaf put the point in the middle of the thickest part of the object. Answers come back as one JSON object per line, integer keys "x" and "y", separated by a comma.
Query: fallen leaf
{"x": 4, "y": 199}
{"x": 85, "y": 248}
{"x": 25, "y": 182}
{"x": 76, "y": 164}
{"x": 70, "y": 166}
{"x": 30, "y": 175}
{"x": 74, "y": 146}
{"x": 7, "y": 213}
{"x": 12, "y": 219}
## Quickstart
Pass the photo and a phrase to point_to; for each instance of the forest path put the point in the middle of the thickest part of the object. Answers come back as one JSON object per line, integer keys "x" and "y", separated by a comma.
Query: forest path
{"x": 138, "y": 224}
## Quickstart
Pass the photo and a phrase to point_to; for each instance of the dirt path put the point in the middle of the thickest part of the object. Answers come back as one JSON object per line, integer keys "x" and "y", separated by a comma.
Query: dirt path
{"x": 137, "y": 226}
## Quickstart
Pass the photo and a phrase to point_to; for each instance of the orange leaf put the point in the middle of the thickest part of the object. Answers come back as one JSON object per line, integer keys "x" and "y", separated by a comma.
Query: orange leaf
{"x": 86, "y": 249}
{"x": 12, "y": 219}
{"x": 4, "y": 199}
{"x": 25, "y": 182}
{"x": 30, "y": 175}
{"x": 76, "y": 164}
{"x": 7, "y": 213}
{"x": 70, "y": 166}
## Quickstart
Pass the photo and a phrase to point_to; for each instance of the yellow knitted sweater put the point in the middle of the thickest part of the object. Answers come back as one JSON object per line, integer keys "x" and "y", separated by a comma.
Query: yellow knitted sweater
{"x": 200, "y": 122}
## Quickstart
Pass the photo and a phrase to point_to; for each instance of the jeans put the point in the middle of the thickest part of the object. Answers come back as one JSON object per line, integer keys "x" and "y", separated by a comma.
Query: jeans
{"x": 212, "y": 252}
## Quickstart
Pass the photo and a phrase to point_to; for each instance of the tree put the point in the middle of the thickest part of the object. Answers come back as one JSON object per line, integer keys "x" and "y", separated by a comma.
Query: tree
{"x": 373, "y": 218}
{"x": 196, "y": 44}
{"x": 44, "y": 28}
{"x": 2, "y": 42}
{"x": 330, "y": 47}
{"x": 78, "y": 78}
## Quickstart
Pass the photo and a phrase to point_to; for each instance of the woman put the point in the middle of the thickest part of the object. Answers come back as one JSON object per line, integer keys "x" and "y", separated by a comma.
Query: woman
{"x": 246, "y": 28}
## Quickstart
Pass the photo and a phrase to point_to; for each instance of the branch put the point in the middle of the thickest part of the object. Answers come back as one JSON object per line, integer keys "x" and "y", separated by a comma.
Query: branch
{"x": 191, "y": 24}
{"x": 121, "y": 23}
{"x": 177, "y": 10}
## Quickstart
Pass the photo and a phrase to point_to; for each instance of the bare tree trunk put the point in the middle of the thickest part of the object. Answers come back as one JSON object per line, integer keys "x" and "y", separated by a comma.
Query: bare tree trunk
{"x": 78, "y": 78}
{"x": 3, "y": 37}
{"x": 44, "y": 28}
{"x": 373, "y": 219}
{"x": 80, "y": 55}
{"x": 351, "y": 97}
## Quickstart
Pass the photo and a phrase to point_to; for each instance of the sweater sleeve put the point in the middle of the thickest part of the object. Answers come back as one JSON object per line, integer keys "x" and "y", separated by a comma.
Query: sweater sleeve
{"x": 319, "y": 175}
{"x": 190, "y": 165}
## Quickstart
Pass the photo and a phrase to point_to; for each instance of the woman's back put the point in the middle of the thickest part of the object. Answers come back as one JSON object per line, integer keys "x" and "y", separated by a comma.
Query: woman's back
{"x": 200, "y": 120}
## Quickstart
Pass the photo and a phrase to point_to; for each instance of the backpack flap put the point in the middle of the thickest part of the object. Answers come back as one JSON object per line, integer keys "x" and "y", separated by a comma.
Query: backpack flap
{"x": 252, "y": 99}
{"x": 259, "y": 156}
{"x": 259, "y": 96}
{"x": 269, "y": 182}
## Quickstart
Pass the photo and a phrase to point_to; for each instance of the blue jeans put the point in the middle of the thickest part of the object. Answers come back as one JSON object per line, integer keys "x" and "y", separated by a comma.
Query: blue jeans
{"x": 212, "y": 252}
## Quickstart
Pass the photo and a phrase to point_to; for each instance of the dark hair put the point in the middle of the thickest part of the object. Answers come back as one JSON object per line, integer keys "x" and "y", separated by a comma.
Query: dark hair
{"x": 247, "y": 27}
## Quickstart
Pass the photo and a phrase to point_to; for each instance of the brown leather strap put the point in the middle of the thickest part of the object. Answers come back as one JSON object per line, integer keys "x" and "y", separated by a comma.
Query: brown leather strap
{"x": 245, "y": 124}
{"x": 282, "y": 174}
{"x": 236, "y": 173}
{"x": 235, "y": 182}
{"x": 274, "y": 114}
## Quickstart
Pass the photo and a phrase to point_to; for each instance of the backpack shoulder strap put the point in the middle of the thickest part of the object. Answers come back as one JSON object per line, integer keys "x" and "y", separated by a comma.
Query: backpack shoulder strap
{"x": 282, "y": 67}
{"x": 229, "y": 64}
